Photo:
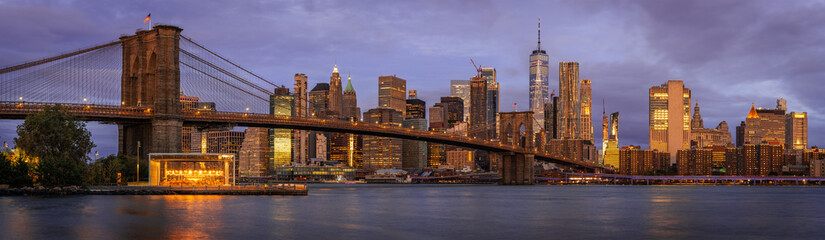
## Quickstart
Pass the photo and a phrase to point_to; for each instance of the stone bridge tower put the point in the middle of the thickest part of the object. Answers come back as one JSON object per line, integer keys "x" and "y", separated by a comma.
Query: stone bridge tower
{"x": 151, "y": 79}
{"x": 516, "y": 128}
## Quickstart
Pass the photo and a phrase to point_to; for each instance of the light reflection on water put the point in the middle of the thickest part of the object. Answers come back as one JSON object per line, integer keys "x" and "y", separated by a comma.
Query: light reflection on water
{"x": 432, "y": 212}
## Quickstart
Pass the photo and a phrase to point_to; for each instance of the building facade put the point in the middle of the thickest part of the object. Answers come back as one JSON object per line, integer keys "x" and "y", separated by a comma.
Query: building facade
{"x": 335, "y": 93}
{"x": 478, "y": 108}
{"x": 414, "y": 153}
{"x": 493, "y": 101}
{"x": 382, "y": 152}
{"x": 669, "y": 117}
{"x": 461, "y": 89}
{"x": 539, "y": 82}
{"x": 392, "y": 93}
{"x": 281, "y": 144}
{"x": 301, "y": 140}
{"x": 570, "y": 108}
{"x": 586, "y": 107}
{"x": 796, "y": 130}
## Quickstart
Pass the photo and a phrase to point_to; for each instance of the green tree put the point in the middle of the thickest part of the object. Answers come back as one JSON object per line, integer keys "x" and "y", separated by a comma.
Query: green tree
{"x": 104, "y": 171}
{"x": 15, "y": 172}
{"x": 59, "y": 141}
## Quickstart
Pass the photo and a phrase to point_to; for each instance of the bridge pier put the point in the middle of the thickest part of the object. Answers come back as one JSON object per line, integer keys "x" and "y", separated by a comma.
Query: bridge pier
{"x": 517, "y": 169}
{"x": 151, "y": 79}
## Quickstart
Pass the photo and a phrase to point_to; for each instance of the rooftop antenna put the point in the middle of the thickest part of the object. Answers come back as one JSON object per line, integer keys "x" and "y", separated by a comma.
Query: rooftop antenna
{"x": 539, "y": 47}
{"x": 603, "y": 107}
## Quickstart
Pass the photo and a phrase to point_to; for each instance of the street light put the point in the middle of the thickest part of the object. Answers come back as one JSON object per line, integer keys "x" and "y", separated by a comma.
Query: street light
{"x": 21, "y": 98}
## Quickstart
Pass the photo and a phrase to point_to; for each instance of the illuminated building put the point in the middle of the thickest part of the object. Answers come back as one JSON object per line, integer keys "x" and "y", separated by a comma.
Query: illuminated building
{"x": 478, "y": 108}
{"x": 438, "y": 116}
{"x": 489, "y": 74}
{"x": 335, "y": 94}
{"x": 455, "y": 110}
{"x": 611, "y": 152}
{"x": 752, "y": 132}
{"x": 318, "y": 101}
{"x": 669, "y": 117}
{"x": 539, "y": 81}
{"x": 301, "y": 137}
{"x": 191, "y": 103}
{"x": 605, "y": 123}
{"x": 391, "y": 93}
{"x": 281, "y": 145}
{"x": 414, "y": 155}
{"x": 550, "y": 118}
{"x": 796, "y": 130}
{"x": 190, "y": 169}
{"x": 772, "y": 125}
{"x": 436, "y": 154}
{"x": 817, "y": 168}
{"x": 760, "y": 159}
{"x": 636, "y": 161}
{"x": 382, "y": 152}
{"x": 459, "y": 159}
{"x": 574, "y": 149}
{"x": 586, "y": 116}
{"x": 694, "y": 161}
{"x": 321, "y": 143}
{"x": 461, "y": 89}
{"x": 350, "y": 103}
{"x": 570, "y": 105}
{"x": 253, "y": 157}
{"x": 314, "y": 173}
{"x": 707, "y": 137}
{"x": 416, "y": 108}
{"x": 224, "y": 141}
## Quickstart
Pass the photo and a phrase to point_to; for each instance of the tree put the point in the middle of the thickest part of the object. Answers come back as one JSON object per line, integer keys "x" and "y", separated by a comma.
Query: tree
{"x": 104, "y": 171}
{"x": 14, "y": 172}
{"x": 59, "y": 141}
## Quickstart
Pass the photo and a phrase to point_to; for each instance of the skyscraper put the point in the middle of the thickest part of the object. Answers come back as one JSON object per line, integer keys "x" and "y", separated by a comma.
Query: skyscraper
{"x": 281, "y": 146}
{"x": 301, "y": 148}
{"x": 416, "y": 108}
{"x": 605, "y": 122}
{"x": 570, "y": 107}
{"x": 669, "y": 117}
{"x": 318, "y": 100}
{"x": 438, "y": 123}
{"x": 335, "y": 95}
{"x": 586, "y": 115}
{"x": 796, "y": 130}
{"x": 492, "y": 101}
{"x": 611, "y": 153}
{"x": 414, "y": 154}
{"x": 455, "y": 110}
{"x": 392, "y": 93}
{"x": 382, "y": 152}
{"x": 539, "y": 77}
{"x": 350, "y": 109}
{"x": 253, "y": 156}
{"x": 478, "y": 108}
{"x": 461, "y": 89}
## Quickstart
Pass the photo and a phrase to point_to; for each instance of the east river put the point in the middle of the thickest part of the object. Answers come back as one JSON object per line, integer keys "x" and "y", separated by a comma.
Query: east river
{"x": 432, "y": 212}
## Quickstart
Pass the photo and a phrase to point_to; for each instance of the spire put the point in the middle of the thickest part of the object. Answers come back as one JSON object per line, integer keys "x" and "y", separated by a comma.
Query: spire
{"x": 335, "y": 69}
{"x": 752, "y": 113}
{"x": 539, "y": 46}
{"x": 349, "y": 88}
{"x": 697, "y": 122}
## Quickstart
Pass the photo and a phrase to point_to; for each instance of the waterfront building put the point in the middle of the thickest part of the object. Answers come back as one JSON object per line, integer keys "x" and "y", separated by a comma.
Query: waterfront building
{"x": 223, "y": 141}
{"x": 391, "y": 93}
{"x": 203, "y": 169}
{"x": 455, "y": 110}
{"x": 669, "y": 117}
{"x": 350, "y": 109}
{"x": 416, "y": 108}
{"x": 478, "y": 108}
{"x": 301, "y": 137}
{"x": 697, "y": 161}
{"x": 706, "y": 137}
{"x": 281, "y": 144}
{"x": 493, "y": 101}
{"x": 586, "y": 116}
{"x": 461, "y": 89}
{"x": 382, "y": 152}
{"x": 796, "y": 130}
{"x": 253, "y": 159}
{"x": 335, "y": 94}
{"x": 314, "y": 173}
{"x": 636, "y": 161}
{"x": 817, "y": 168}
{"x": 760, "y": 159}
{"x": 459, "y": 159}
{"x": 414, "y": 155}
{"x": 570, "y": 106}
{"x": 539, "y": 81}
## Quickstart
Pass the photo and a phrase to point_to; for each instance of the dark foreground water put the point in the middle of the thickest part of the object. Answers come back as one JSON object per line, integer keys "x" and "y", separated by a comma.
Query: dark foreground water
{"x": 432, "y": 212}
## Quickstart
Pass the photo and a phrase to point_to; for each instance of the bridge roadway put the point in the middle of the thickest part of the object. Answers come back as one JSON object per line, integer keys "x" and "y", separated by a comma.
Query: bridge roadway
{"x": 107, "y": 113}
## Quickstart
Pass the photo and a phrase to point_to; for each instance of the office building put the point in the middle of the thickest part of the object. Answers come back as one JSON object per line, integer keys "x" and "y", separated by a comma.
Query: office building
{"x": 697, "y": 161}
{"x": 350, "y": 109}
{"x": 539, "y": 82}
{"x": 796, "y": 130}
{"x": 702, "y": 137}
{"x": 414, "y": 154}
{"x": 416, "y": 108}
{"x": 301, "y": 139}
{"x": 392, "y": 93}
{"x": 493, "y": 101}
{"x": 318, "y": 100}
{"x": 611, "y": 151}
{"x": 382, "y": 152}
{"x": 253, "y": 159}
{"x": 478, "y": 108}
{"x": 461, "y": 89}
{"x": 281, "y": 144}
{"x": 460, "y": 159}
{"x": 669, "y": 117}
{"x": 436, "y": 154}
{"x": 335, "y": 94}
{"x": 455, "y": 110}
{"x": 570, "y": 123}
{"x": 586, "y": 105}
{"x": 635, "y": 161}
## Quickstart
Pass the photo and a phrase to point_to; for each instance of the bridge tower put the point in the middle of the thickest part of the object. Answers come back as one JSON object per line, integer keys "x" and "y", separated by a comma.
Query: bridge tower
{"x": 516, "y": 128}
{"x": 151, "y": 79}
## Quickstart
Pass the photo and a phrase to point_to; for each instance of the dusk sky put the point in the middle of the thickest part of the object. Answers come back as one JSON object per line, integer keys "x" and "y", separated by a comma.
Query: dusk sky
{"x": 729, "y": 53}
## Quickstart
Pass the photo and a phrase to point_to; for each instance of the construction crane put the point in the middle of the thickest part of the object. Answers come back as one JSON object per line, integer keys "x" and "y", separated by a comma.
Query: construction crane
{"x": 478, "y": 69}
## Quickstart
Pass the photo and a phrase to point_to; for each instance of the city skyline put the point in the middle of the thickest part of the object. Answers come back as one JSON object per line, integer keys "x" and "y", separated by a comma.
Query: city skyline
{"x": 723, "y": 96}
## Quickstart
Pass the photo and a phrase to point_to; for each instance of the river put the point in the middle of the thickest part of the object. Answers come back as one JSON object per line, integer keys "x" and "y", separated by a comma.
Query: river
{"x": 418, "y": 211}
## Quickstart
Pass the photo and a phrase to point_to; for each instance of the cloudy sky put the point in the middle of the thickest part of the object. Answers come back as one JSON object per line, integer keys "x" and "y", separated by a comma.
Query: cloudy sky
{"x": 729, "y": 53}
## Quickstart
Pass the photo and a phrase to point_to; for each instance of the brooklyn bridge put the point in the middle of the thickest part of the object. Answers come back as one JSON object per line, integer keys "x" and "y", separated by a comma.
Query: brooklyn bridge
{"x": 154, "y": 66}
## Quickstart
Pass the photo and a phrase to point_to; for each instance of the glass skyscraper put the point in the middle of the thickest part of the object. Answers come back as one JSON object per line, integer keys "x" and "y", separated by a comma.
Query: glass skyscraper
{"x": 539, "y": 77}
